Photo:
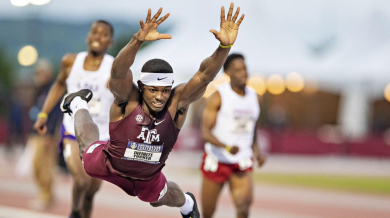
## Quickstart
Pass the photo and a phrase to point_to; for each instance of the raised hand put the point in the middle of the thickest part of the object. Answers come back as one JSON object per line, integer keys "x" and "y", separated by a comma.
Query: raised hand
{"x": 148, "y": 31}
{"x": 229, "y": 27}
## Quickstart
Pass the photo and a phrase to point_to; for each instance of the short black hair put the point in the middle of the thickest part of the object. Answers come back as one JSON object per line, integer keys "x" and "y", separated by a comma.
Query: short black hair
{"x": 108, "y": 24}
{"x": 156, "y": 66}
{"x": 230, "y": 58}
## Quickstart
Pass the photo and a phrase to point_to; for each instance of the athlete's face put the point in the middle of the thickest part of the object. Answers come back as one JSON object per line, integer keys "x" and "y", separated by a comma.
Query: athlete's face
{"x": 237, "y": 72}
{"x": 99, "y": 38}
{"x": 156, "y": 97}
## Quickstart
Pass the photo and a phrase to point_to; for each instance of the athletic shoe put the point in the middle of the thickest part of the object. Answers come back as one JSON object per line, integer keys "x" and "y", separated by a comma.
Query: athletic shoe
{"x": 195, "y": 212}
{"x": 75, "y": 214}
{"x": 84, "y": 94}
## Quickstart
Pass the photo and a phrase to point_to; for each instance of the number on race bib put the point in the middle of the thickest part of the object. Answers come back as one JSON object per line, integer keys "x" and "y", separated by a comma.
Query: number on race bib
{"x": 143, "y": 152}
{"x": 243, "y": 124}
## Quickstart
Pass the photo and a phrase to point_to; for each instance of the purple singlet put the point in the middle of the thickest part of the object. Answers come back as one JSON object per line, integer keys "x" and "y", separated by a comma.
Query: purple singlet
{"x": 139, "y": 145}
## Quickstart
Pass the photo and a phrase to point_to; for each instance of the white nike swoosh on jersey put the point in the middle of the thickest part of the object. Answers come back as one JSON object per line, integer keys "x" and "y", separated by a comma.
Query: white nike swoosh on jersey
{"x": 156, "y": 123}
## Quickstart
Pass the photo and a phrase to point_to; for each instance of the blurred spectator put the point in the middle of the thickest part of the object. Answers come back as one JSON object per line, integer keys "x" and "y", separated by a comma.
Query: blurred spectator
{"x": 15, "y": 122}
{"x": 44, "y": 146}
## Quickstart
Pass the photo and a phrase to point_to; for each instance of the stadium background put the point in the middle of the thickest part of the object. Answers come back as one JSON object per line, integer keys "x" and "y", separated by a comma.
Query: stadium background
{"x": 321, "y": 67}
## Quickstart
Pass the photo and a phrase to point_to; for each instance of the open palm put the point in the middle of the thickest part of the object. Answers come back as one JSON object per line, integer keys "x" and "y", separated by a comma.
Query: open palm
{"x": 148, "y": 31}
{"x": 229, "y": 27}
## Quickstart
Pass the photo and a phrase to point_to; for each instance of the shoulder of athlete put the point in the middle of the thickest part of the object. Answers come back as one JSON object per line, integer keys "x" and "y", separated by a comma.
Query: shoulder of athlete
{"x": 127, "y": 106}
{"x": 175, "y": 93}
{"x": 68, "y": 60}
{"x": 215, "y": 96}
{"x": 66, "y": 64}
{"x": 214, "y": 99}
{"x": 173, "y": 103}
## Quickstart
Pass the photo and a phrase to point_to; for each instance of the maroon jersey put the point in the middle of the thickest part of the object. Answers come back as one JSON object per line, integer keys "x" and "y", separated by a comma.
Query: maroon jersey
{"x": 139, "y": 145}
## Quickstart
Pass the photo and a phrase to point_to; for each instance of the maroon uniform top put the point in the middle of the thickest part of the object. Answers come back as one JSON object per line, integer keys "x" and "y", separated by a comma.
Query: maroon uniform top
{"x": 139, "y": 145}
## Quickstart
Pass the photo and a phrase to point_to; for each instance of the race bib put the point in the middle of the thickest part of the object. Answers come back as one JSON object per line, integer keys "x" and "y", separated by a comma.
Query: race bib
{"x": 143, "y": 152}
{"x": 243, "y": 124}
{"x": 94, "y": 106}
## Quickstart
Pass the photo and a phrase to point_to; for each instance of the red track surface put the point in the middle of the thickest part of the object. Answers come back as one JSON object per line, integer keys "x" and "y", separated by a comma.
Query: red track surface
{"x": 270, "y": 201}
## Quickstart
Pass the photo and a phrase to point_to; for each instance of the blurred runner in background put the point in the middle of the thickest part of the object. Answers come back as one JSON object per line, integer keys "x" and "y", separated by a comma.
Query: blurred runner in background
{"x": 229, "y": 125}
{"x": 90, "y": 69}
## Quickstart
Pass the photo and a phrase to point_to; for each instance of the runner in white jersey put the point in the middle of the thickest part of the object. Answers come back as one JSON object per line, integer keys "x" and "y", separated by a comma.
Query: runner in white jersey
{"x": 100, "y": 104}
{"x": 85, "y": 70}
{"x": 229, "y": 130}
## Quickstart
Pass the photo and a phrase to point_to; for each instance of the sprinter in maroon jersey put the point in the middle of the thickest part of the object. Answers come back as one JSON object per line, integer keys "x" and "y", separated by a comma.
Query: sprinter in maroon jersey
{"x": 145, "y": 119}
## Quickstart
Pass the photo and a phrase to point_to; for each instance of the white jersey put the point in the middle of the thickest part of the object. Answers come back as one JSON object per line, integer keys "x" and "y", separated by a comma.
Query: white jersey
{"x": 96, "y": 81}
{"x": 235, "y": 125}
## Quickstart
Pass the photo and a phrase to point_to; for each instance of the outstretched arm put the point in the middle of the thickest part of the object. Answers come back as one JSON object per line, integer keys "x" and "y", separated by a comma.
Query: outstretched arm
{"x": 121, "y": 81}
{"x": 209, "y": 67}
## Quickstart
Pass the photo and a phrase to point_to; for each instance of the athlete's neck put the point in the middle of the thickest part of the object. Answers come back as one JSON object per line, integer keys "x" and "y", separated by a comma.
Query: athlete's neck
{"x": 94, "y": 58}
{"x": 240, "y": 90}
{"x": 95, "y": 54}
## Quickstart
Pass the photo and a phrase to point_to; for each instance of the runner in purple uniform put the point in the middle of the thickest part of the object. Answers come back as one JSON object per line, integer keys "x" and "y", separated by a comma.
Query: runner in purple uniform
{"x": 145, "y": 119}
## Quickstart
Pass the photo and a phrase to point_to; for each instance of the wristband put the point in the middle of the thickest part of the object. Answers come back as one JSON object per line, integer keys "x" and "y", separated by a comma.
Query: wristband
{"x": 228, "y": 148}
{"x": 225, "y": 46}
{"x": 42, "y": 115}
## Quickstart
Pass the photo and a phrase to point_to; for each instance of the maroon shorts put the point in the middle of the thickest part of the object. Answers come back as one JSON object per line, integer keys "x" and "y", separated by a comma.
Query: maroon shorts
{"x": 223, "y": 172}
{"x": 94, "y": 161}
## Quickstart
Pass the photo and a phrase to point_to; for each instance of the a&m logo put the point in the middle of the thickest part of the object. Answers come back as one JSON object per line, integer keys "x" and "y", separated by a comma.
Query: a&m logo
{"x": 149, "y": 135}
